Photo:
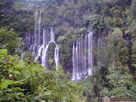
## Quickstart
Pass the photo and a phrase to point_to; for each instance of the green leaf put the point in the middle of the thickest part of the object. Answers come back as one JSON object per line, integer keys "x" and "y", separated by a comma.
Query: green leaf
{"x": 43, "y": 101}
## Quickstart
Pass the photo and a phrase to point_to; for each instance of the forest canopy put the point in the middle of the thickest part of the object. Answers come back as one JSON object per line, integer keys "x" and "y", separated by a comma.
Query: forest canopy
{"x": 113, "y": 24}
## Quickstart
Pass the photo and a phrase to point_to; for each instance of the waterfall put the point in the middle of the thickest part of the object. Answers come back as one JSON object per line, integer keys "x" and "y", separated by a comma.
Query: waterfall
{"x": 90, "y": 52}
{"x": 56, "y": 56}
{"x": 41, "y": 41}
{"x": 52, "y": 37}
{"x": 39, "y": 28}
{"x": 37, "y": 33}
{"x": 35, "y": 30}
{"x": 42, "y": 55}
{"x": 82, "y": 57}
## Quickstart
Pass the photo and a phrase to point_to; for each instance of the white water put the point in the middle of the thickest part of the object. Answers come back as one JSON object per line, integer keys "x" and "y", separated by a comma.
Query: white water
{"x": 39, "y": 28}
{"x": 82, "y": 57}
{"x": 35, "y": 30}
{"x": 52, "y": 37}
{"x": 90, "y": 53}
{"x": 43, "y": 50}
{"x": 82, "y": 50}
{"x": 44, "y": 55}
{"x": 41, "y": 42}
{"x": 56, "y": 56}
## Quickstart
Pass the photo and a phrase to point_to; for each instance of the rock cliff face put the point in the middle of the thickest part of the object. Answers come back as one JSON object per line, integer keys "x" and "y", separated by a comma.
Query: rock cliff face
{"x": 70, "y": 21}
{"x": 84, "y": 54}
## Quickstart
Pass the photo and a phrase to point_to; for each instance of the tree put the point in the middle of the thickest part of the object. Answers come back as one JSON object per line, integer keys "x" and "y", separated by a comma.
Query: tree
{"x": 9, "y": 40}
{"x": 121, "y": 81}
{"x": 29, "y": 81}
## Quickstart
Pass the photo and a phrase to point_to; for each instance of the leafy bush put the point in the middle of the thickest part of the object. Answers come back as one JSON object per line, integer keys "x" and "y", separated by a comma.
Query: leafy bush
{"x": 28, "y": 81}
{"x": 9, "y": 40}
{"x": 122, "y": 82}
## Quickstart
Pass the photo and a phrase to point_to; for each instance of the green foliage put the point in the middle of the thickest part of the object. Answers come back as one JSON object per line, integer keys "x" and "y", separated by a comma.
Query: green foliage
{"x": 28, "y": 81}
{"x": 121, "y": 81}
{"x": 116, "y": 47}
{"x": 133, "y": 7}
{"x": 111, "y": 76}
{"x": 62, "y": 90}
{"x": 132, "y": 27}
{"x": 3, "y": 52}
{"x": 9, "y": 40}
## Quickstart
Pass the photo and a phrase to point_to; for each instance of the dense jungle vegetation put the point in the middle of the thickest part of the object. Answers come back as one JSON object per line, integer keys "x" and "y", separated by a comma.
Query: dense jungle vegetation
{"x": 114, "y": 73}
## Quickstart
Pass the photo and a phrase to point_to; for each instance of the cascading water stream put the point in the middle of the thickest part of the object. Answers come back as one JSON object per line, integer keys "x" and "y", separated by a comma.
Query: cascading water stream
{"x": 44, "y": 55}
{"x": 90, "y": 53}
{"x": 41, "y": 42}
{"x": 52, "y": 37}
{"x": 82, "y": 57}
{"x": 43, "y": 50}
{"x": 56, "y": 56}
{"x": 39, "y": 28}
{"x": 35, "y": 29}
